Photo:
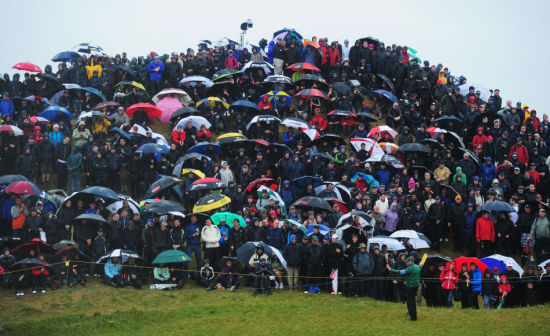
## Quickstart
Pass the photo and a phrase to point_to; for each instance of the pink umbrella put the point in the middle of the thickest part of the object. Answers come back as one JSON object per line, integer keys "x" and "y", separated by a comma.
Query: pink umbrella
{"x": 168, "y": 105}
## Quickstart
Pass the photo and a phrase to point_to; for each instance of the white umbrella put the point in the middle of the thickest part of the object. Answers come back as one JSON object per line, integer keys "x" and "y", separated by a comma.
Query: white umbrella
{"x": 176, "y": 214}
{"x": 268, "y": 68}
{"x": 179, "y": 93}
{"x": 371, "y": 146}
{"x": 311, "y": 133}
{"x": 392, "y": 243}
{"x": 364, "y": 218}
{"x": 193, "y": 80}
{"x": 160, "y": 139}
{"x": 114, "y": 207}
{"x": 508, "y": 261}
{"x": 295, "y": 123}
{"x": 138, "y": 129}
{"x": 405, "y": 234}
{"x": 418, "y": 243}
{"x": 196, "y": 121}
{"x": 267, "y": 118}
{"x": 543, "y": 264}
{"x": 125, "y": 254}
{"x": 484, "y": 92}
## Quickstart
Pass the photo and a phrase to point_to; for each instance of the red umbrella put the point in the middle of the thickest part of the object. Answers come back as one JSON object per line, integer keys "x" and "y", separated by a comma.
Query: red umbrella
{"x": 382, "y": 130}
{"x": 35, "y": 120}
{"x": 10, "y": 129}
{"x": 268, "y": 182}
{"x": 303, "y": 66}
{"x": 342, "y": 206}
{"x": 309, "y": 93}
{"x": 206, "y": 180}
{"x": 466, "y": 260}
{"x": 25, "y": 66}
{"x": 208, "y": 183}
{"x": 22, "y": 251}
{"x": 23, "y": 187}
{"x": 151, "y": 110}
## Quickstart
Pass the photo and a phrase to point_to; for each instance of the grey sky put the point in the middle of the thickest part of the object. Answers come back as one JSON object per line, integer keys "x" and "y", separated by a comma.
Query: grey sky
{"x": 500, "y": 44}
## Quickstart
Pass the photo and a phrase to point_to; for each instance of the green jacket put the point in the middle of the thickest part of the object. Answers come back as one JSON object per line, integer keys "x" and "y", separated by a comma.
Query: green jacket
{"x": 412, "y": 275}
{"x": 74, "y": 162}
{"x": 540, "y": 228}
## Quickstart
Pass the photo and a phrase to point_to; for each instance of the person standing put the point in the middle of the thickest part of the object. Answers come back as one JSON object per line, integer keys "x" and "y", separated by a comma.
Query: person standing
{"x": 155, "y": 68}
{"x": 485, "y": 233}
{"x": 210, "y": 235}
{"x": 293, "y": 256}
{"x": 540, "y": 233}
{"x": 412, "y": 280}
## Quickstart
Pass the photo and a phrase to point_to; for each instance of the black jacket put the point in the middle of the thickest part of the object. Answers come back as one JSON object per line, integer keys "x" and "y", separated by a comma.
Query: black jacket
{"x": 293, "y": 254}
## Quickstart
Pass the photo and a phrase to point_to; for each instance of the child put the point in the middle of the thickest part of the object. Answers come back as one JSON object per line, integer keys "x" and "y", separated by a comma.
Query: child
{"x": 503, "y": 289}
{"x": 207, "y": 277}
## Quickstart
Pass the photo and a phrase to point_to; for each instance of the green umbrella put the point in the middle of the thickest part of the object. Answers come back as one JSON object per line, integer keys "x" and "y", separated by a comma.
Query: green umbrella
{"x": 300, "y": 225}
{"x": 228, "y": 217}
{"x": 134, "y": 84}
{"x": 171, "y": 256}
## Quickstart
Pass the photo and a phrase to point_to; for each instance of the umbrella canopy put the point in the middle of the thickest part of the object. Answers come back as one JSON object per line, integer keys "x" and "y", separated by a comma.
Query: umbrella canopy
{"x": 90, "y": 114}
{"x": 466, "y": 260}
{"x": 109, "y": 104}
{"x": 342, "y": 113}
{"x": 371, "y": 146}
{"x": 185, "y": 171}
{"x": 245, "y": 252}
{"x": 446, "y": 120}
{"x": 114, "y": 207}
{"x": 35, "y": 120}
{"x": 264, "y": 118}
{"x": 386, "y": 81}
{"x": 364, "y": 219}
{"x": 224, "y": 73}
{"x": 171, "y": 256}
{"x": 312, "y": 203}
{"x": 485, "y": 93}
{"x": 418, "y": 243}
{"x": 124, "y": 254}
{"x": 23, "y": 187}
{"x": 342, "y": 192}
{"x": 253, "y": 65}
{"x": 230, "y": 138}
{"x": 281, "y": 79}
{"x": 207, "y": 183}
{"x": 8, "y": 179}
{"x": 211, "y": 202}
{"x": 254, "y": 185}
{"x": 277, "y": 95}
{"x": 151, "y": 110}
{"x": 244, "y": 104}
{"x": 51, "y": 112}
{"x": 310, "y": 93}
{"x": 65, "y": 244}
{"x": 101, "y": 192}
{"x": 89, "y": 48}
{"x": 160, "y": 185}
{"x": 303, "y": 181}
{"x": 25, "y": 66}
{"x": 436, "y": 131}
{"x": 411, "y": 234}
{"x": 168, "y": 106}
{"x": 22, "y": 251}
{"x": 28, "y": 263}
{"x": 383, "y": 131}
{"x": 66, "y": 56}
{"x": 413, "y": 147}
{"x": 135, "y": 84}
{"x": 497, "y": 206}
{"x": 295, "y": 123}
{"x": 228, "y": 217}
{"x": 392, "y": 243}
{"x": 183, "y": 112}
{"x": 211, "y": 101}
{"x": 196, "y": 121}
{"x": 164, "y": 207}
{"x": 204, "y": 146}
{"x": 323, "y": 229}
{"x": 329, "y": 138}
{"x": 193, "y": 80}
{"x": 501, "y": 262}
{"x": 389, "y": 147}
{"x": 341, "y": 88}
{"x": 90, "y": 218}
{"x": 121, "y": 132}
{"x": 151, "y": 148}
{"x": 272, "y": 194}
{"x": 369, "y": 117}
{"x": 11, "y": 130}
{"x": 385, "y": 94}
{"x": 311, "y": 80}
{"x": 179, "y": 94}
{"x": 287, "y": 34}
{"x": 303, "y": 66}
{"x": 437, "y": 259}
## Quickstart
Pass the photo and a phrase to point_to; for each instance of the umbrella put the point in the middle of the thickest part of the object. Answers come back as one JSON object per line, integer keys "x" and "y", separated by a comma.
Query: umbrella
{"x": 437, "y": 259}
{"x": 444, "y": 121}
{"x": 151, "y": 148}
{"x": 121, "y": 132}
{"x": 278, "y": 79}
{"x": 295, "y": 123}
{"x": 245, "y": 252}
{"x": 456, "y": 138}
{"x": 90, "y": 114}
{"x": 237, "y": 265}
{"x": 207, "y": 183}
{"x": 101, "y": 192}
{"x": 411, "y": 234}
{"x": 392, "y": 243}
{"x": 35, "y": 120}
{"x": 497, "y": 206}
{"x": 504, "y": 261}
{"x": 88, "y": 48}
{"x": 37, "y": 245}
{"x": 369, "y": 179}
{"x": 25, "y": 66}
{"x": 371, "y": 146}
{"x": 386, "y": 80}
{"x": 193, "y": 80}
{"x": 160, "y": 185}
{"x": 114, "y": 207}
{"x": 23, "y": 187}
{"x": 48, "y": 76}
{"x": 369, "y": 116}
{"x": 382, "y": 130}
{"x": 228, "y": 217}
{"x": 171, "y": 256}
{"x": 303, "y": 66}
{"x": 303, "y": 181}
{"x": 387, "y": 159}
{"x": 183, "y": 112}
{"x": 211, "y": 202}
{"x": 135, "y": 84}
{"x": 474, "y": 157}
{"x": 8, "y": 179}
{"x": 432, "y": 143}
{"x": 329, "y": 138}
{"x": 28, "y": 263}
{"x": 364, "y": 219}
{"x": 385, "y": 94}
{"x": 192, "y": 156}
{"x": 164, "y": 207}
{"x": 90, "y": 218}
{"x": 168, "y": 106}
{"x": 120, "y": 253}
{"x": 287, "y": 34}
{"x": 435, "y": 132}
{"x": 310, "y": 202}
{"x": 278, "y": 94}
{"x": 148, "y": 201}
{"x": 204, "y": 146}
{"x": 311, "y": 80}
{"x": 323, "y": 229}
{"x": 196, "y": 121}
{"x": 224, "y": 73}
{"x": 485, "y": 93}
{"x": 253, "y": 65}
{"x": 310, "y": 93}
{"x": 265, "y": 118}
{"x": 65, "y": 244}
{"x": 245, "y": 104}
{"x": 126, "y": 69}
{"x": 10, "y": 130}
{"x": 342, "y": 192}
{"x": 413, "y": 147}
{"x": 370, "y": 40}
{"x": 191, "y": 170}
{"x": 342, "y": 113}
{"x": 544, "y": 263}
{"x": 254, "y": 185}
{"x": 418, "y": 243}
{"x": 466, "y": 260}
{"x": 341, "y": 88}
{"x": 179, "y": 94}
{"x": 66, "y": 56}
{"x": 55, "y": 98}
{"x": 108, "y": 104}
{"x": 151, "y": 110}
{"x": 389, "y": 147}
{"x": 230, "y": 138}
{"x": 51, "y": 112}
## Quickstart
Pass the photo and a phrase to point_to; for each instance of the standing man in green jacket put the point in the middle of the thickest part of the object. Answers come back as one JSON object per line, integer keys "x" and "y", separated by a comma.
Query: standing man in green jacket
{"x": 540, "y": 233}
{"x": 74, "y": 167}
{"x": 412, "y": 280}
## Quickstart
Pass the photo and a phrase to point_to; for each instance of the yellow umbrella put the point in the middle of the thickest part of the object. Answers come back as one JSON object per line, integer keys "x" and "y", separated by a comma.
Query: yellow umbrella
{"x": 230, "y": 137}
{"x": 212, "y": 101}
{"x": 194, "y": 171}
{"x": 211, "y": 202}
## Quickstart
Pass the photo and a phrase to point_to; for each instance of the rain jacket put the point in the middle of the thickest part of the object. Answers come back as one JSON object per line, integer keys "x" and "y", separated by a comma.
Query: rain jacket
{"x": 391, "y": 218}
{"x": 412, "y": 275}
{"x": 363, "y": 263}
{"x": 6, "y": 107}
{"x": 485, "y": 229}
{"x": 56, "y": 138}
{"x": 475, "y": 280}
{"x": 448, "y": 283}
{"x": 293, "y": 254}
{"x": 155, "y": 75}
{"x": 211, "y": 236}
{"x": 540, "y": 228}
{"x": 112, "y": 270}
{"x": 190, "y": 230}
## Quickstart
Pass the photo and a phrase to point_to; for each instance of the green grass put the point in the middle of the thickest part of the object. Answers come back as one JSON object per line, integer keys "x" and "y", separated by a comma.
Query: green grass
{"x": 106, "y": 311}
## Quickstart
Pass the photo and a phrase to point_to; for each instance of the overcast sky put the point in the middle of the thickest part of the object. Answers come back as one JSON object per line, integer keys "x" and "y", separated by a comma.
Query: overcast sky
{"x": 499, "y": 44}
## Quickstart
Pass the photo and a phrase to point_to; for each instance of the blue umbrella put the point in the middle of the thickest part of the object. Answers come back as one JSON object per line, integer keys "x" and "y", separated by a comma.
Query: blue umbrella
{"x": 121, "y": 132}
{"x": 151, "y": 148}
{"x": 51, "y": 112}
{"x": 386, "y": 94}
{"x": 66, "y": 56}
{"x": 101, "y": 192}
{"x": 305, "y": 180}
{"x": 202, "y": 147}
{"x": 497, "y": 206}
{"x": 245, "y": 104}
{"x": 94, "y": 91}
{"x": 492, "y": 262}
{"x": 325, "y": 230}
{"x": 369, "y": 179}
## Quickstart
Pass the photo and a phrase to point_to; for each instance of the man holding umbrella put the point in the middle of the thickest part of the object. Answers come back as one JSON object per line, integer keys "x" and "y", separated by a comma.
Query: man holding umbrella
{"x": 412, "y": 280}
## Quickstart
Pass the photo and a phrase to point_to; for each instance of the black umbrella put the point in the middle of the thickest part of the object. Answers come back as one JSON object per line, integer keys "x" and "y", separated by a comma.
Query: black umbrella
{"x": 330, "y": 138}
{"x": 218, "y": 87}
{"x": 413, "y": 147}
{"x": 164, "y": 207}
{"x": 224, "y": 73}
{"x": 309, "y": 79}
{"x": 208, "y": 185}
{"x": 91, "y": 218}
{"x": 341, "y": 113}
{"x": 432, "y": 143}
{"x": 181, "y": 162}
{"x": 387, "y": 81}
{"x": 28, "y": 263}
{"x": 370, "y": 40}
{"x": 309, "y": 202}
{"x": 48, "y": 76}
{"x": 474, "y": 157}
{"x": 160, "y": 185}
{"x": 497, "y": 206}
{"x": 341, "y": 88}
{"x": 444, "y": 122}
{"x": 445, "y": 187}
{"x": 22, "y": 251}
{"x": 437, "y": 259}
{"x": 183, "y": 112}
{"x": 101, "y": 192}
{"x": 125, "y": 69}
{"x": 247, "y": 250}
{"x": 455, "y": 138}
{"x": 235, "y": 263}
{"x": 9, "y": 179}
{"x": 421, "y": 169}
{"x": 281, "y": 149}
{"x": 201, "y": 217}
{"x": 368, "y": 116}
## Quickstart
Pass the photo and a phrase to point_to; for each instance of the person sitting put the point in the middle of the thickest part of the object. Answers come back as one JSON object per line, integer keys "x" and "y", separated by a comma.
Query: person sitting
{"x": 132, "y": 274}
{"x": 161, "y": 274}
{"x": 262, "y": 278}
{"x": 279, "y": 272}
{"x": 207, "y": 277}
{"x": 228, "y": 277}
{"x": 39, "y": 278}
{"x": 112, "y": 273}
